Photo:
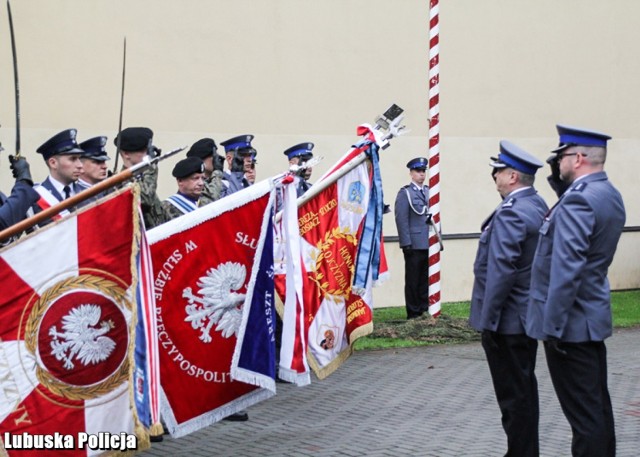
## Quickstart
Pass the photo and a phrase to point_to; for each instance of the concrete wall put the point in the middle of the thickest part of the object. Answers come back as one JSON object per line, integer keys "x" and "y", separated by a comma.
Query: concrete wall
{"x": 299, "y": 70}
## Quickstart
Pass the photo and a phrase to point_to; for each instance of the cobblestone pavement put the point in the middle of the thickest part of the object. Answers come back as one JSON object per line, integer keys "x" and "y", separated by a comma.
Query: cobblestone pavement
{"x": 432, "y": 401}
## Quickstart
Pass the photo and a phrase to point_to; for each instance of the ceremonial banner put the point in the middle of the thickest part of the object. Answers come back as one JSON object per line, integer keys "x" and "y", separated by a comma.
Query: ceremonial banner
{"x": 67, "y": 318}
{"x": 339, "y": 252}
{"x": 214, "y": 291}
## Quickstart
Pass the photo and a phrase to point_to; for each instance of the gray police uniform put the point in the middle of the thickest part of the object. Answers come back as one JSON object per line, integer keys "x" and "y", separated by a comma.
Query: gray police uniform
{"x": 411, "y": 214}
{"x": 570, "y": 298}
{"x": 14, "y": 208}
{"x": 502, "y": 272}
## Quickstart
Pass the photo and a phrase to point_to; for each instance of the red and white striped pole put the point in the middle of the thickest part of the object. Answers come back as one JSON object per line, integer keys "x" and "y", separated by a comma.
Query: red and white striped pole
{"x": 434, "y": 157}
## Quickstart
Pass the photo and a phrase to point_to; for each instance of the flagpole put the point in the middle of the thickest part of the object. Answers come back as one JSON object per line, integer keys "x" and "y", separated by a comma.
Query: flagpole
{"x": 434, "y": 158}
{"x": 92, "y": 191}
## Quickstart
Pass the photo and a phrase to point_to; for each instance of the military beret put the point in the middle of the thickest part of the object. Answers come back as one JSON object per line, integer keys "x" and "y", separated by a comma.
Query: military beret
{"x": 302, "y": 149}
{"x": 241, "y": 143}
{"x": 517, "y": 158}
{"x": 574, "y": 136}
{"x": 134, "y": 139}
{"x": 187, "y": 167}
{"x": 203, "y": 148}
{"x": 419, "y": 163}
{"x": 94, "y": 148}
{"x": 61, "y": 143}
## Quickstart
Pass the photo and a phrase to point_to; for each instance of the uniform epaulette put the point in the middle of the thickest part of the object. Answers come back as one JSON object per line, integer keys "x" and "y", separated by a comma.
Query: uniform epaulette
{"x": 580, "y": 187}
{"x": 509, "y": 203}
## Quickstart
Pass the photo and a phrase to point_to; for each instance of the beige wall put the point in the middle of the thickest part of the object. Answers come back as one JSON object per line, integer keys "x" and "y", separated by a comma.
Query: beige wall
{"x": 295, "y": 70}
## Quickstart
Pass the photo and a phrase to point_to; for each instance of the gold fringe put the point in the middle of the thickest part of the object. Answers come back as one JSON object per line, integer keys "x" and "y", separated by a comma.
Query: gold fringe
{"x": 156, "y": 429}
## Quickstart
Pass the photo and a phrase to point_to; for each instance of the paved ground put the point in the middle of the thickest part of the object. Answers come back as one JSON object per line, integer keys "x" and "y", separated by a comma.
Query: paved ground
{"x": 431, "y": 401}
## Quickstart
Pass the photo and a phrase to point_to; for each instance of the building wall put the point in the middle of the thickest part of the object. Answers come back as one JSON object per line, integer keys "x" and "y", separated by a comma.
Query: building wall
{"x": 289, "y": 71}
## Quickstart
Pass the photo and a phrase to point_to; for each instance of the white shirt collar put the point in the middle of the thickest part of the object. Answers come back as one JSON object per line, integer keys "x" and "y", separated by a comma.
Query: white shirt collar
{"x": 57, "y": 185}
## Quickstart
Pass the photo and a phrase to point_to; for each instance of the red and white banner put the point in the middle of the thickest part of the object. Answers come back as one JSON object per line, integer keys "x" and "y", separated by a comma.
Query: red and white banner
{"x": 315, "y": 266}
{"x": 67, "y": 315}
{"x": 205, "y": 269}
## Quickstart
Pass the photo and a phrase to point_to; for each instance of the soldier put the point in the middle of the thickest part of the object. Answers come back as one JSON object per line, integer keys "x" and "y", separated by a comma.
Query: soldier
{"x": 190, "y": 176}
{"x": 500, "y": 295}
{"x": 570, "y": 307}
{"x": 412, "y": 219}
{"x": 94, "y": 161}
{"x": 240, "y": 156}
{"x": 298, "y": 155}
{"x": 14, "y": 208}
{"x": 206, "y": 150}
{"x": 135, "y": 144}
{"x": 62, "y": 156}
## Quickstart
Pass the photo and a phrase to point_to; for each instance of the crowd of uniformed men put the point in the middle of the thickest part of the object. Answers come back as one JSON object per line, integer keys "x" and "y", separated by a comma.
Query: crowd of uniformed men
{"x": 201, "y": 176}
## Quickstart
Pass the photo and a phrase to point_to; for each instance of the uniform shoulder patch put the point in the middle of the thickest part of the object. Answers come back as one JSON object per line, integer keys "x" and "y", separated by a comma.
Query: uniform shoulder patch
{"x": 509, "y": 203}
{"x": 580, "y": 187}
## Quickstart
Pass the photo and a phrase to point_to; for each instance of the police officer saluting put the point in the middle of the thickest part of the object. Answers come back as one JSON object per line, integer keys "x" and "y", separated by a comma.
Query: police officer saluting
{"x": 412, "y": 219}
{"x": 240, "y": 157}
{"x": 570, "y": 307}
{"x": 298, "y": 155}
{"x": 500, "y": 295}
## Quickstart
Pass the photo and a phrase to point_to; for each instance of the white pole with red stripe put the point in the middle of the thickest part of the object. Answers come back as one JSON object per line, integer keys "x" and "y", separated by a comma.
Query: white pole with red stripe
{"x": 434, "y": 157}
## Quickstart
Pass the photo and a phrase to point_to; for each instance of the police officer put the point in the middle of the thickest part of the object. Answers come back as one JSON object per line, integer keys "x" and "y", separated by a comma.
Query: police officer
{"x": 190, "y": 176}
{"x": 14, "y": 208}
{"x": 570, "y": 306}
{"x": 94, "y": 161}
{"x": 135, "y": 144}
{"x": 412, "y": 218}
{"x": 500, "y": 295}
{"x": 62, "y": 156}
{"x": 298, "y": 155}
{"x": 240, "y": 155}
{"x": 207, "y": 150}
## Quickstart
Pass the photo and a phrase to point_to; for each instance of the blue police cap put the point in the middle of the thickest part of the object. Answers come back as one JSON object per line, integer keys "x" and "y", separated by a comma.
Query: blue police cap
{"x": 241, "y": 143}
{"x": 187, "y": 167}
{"x": 517, "y": 158}
{"x": 94, "y": 149}
{"x": 134, "y": 139}
{"x": 574, "y": 136}
{"x": 61, "y": 143}
{"x": 203, "y": 148}
{"x": 419, "y": 163}
{"x": 302, "y": 149}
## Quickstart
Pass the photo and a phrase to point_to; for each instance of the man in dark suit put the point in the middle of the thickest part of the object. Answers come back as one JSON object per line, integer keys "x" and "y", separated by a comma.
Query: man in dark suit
{"x": 500, "y": 295}
{"x": 412, "y": 219}
{"x": 62, "y": 156}
{"x": 570, "y": 304}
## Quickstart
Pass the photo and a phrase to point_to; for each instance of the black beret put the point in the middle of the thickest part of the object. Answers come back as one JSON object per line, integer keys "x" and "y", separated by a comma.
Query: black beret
{"x": 203, "y": 148}
{"x": 187, "y": 167}
{"x": 134, "y": 139}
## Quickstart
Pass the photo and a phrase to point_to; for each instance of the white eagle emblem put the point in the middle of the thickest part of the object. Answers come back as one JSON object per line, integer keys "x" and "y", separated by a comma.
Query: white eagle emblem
{"x": 81, "y": 338}
{"x": 219, "y": 303}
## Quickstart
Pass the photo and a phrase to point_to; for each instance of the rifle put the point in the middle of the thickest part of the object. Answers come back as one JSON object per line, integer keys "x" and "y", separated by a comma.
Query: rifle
{"x": 15, "y": 79}
{"x": 117, "y": 179}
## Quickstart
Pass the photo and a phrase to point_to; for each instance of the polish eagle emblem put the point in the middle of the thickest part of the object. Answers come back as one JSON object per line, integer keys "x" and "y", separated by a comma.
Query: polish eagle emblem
{"x": 219, "y": 303}
{"x": 82, "y": 337}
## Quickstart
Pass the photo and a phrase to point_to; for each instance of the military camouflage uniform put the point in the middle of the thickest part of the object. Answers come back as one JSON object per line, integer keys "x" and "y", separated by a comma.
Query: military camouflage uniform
{"x": 213, "y": 189}
{"x": 153, "y": 211}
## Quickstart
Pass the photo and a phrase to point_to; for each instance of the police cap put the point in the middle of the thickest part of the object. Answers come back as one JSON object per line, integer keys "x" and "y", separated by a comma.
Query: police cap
{"x": 302, "y": 149}
{"x": 515, "y": 157}
{"x": 94, "y": 149}
{"x": 419, "y": 163}
{"x": 61, "y": 143}
{"x": 574, "y": 136}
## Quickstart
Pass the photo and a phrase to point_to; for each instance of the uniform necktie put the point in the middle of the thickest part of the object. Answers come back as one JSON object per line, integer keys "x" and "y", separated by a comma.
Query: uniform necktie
{"x": 67, "y": 192}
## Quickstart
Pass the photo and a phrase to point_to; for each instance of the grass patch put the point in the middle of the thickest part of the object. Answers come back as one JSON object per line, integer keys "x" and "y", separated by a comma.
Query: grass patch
{"x": 393, "y": 330}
